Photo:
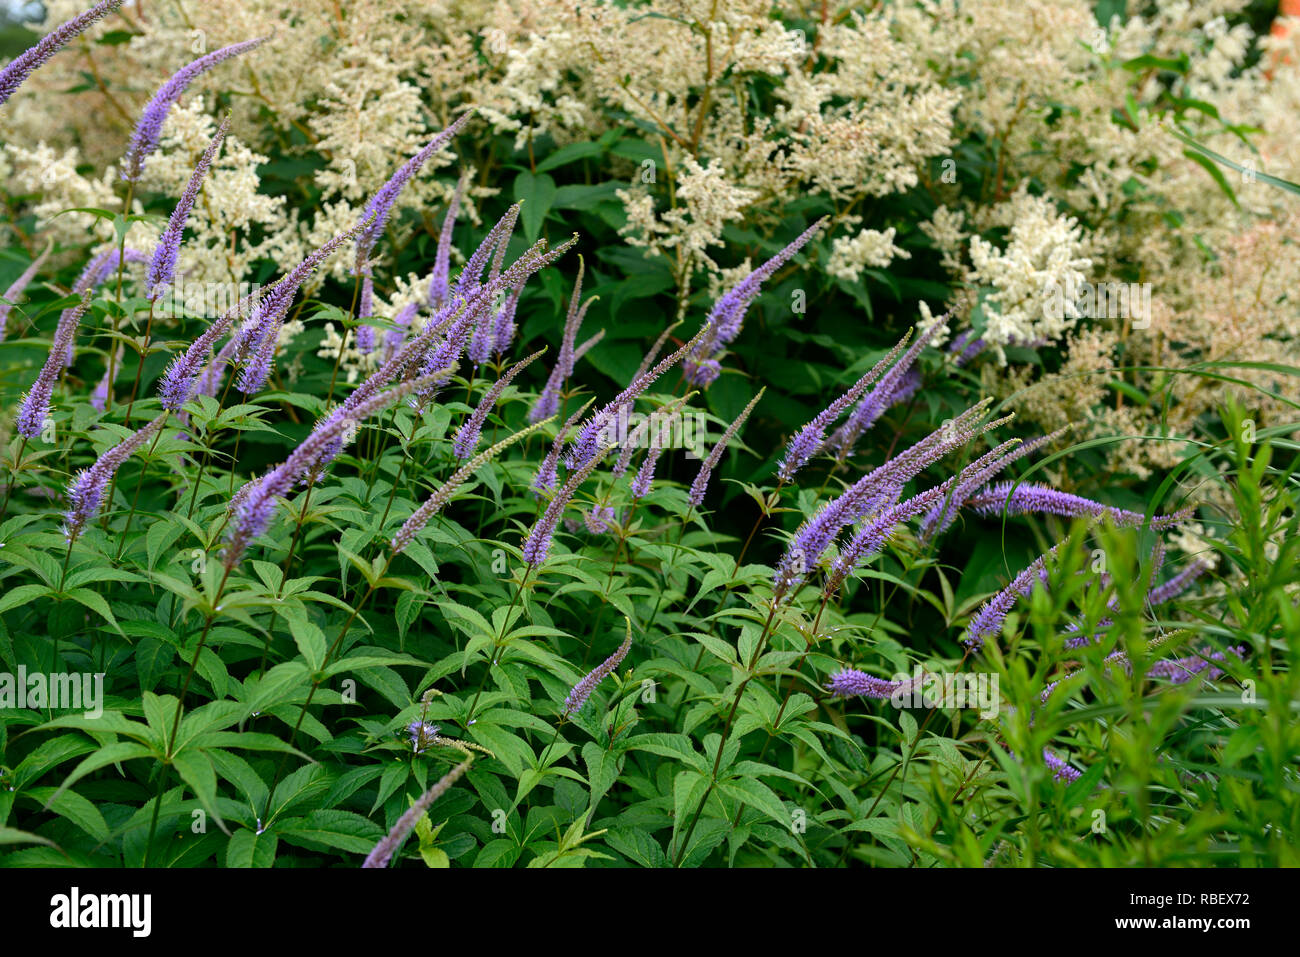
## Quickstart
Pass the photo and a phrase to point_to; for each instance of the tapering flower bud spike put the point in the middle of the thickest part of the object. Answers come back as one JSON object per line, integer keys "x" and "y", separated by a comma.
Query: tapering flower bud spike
{"x": 26, "y": 63}
{"x": 435, "y": 502}
{"x": 162, "y": 266}
{"x": 583, "y": 689}
{"x": 808, "y": 441}
{"x": 440, "y": 280}
{"x": 17, "y": 287}
{"x": 36, "y": 404}
{"x": 380, "y": 206}
{"x": 149, "y": 129}
{"x": 701, "y": 483}
{"x": 86, "y": 491}
{"x": 728, "y": 313}
{"x": 469, "y": 434}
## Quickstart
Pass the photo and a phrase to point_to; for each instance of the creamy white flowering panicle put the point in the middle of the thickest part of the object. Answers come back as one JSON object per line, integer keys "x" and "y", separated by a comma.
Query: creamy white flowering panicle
{"x": 1044, "y": 254}
{"x": 870, "y": 248}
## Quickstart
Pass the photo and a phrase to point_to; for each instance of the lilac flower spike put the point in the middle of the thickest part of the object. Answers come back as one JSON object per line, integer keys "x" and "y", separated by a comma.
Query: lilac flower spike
{"x": 439, "y": 281}
{"x": 645, "y": 475}
{"x": 36, "y": 404}
{"x": 701, "y": 483}
{"x": 1178, "y": 584}
{"x": 808, "y": 441}
{"x": 944, "y": 514}
{"x": 25, "y": 64}
{"x": 457, "y": 315}
{"x": 587, "y": 445}
{"x": 1181, "y": 671}
{"x": 86, "y": 492}
{"x": 548, "y": 401}
{"x": 650, "y": 429}
{"x": 435, "y": 502}
{"x": 256, "y": 502}
{"x": 375, "y": 217}
{"x": 1010, "y": 498}
{"x": 147, "y": 132}
{"x": 394, "y": 337}
{"x": 383, "y": 851}
{"x": 471, "y": 277}
{"x": 547, "y": 474}
{"x": 872, "y": 492}
{"x": 987, "y": 622}
{"x": 162, "y": 267}
{"x": 15, "y": 290}
{"x": 850, "y": 683}
{"x": 583, "y": 689}
{"x": 470, "y": 433}
{"x": 178, "y": 382}
{"x": 896, "y": 386}
{"x": 1060, "y": 770}
{"x": 877, "y": 532}
{"x": 965, "y": 347}
{"x": 538, "y": 544}
{"x": 728, "y": 314}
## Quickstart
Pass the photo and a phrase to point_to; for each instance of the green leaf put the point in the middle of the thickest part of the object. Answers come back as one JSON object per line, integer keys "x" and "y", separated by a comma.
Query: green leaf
{"x": 537, "y": 192}
{"x": 757, "y": 795}
{"x": 9, "y": 835}
{"x": 250, "y": 849}
{"x": 571, "y": 153}
{"x": 196, "y": 770}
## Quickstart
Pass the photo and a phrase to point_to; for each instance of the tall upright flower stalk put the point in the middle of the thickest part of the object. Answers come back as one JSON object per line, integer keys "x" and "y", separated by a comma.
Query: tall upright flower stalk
{"x": 25, "y": 64}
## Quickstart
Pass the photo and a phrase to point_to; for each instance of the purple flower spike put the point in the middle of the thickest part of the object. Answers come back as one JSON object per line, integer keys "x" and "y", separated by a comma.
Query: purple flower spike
{"x": 380, "y": 206}
{"x": 965, "y": 347}
{"x": 701, "y": 483}
{"x": 25, "y": 64}
{"x": 15, "y": 290}
{"x": 808, "y": 441}
{"x": 599, "y": 518}
{"x": 471, "y": 277}
{"x": 1060, "y": 770}
{"x": 147, "y": 132}
{"x": 96, "y": 272}
{"x": 1181, "y": 671}
{"x": 366, "y": 310}
{"x": 468, "y": 437}
{"x": 538, "y": 544}
{"x": 942, "y": 515}
{"x": 587, "y": 445}
{"x": 1178, "y": 584}
{"x": 86, "y": 492}
{"x": 36, "y": 404}
{"x": 877, "y": 532}
{"x": 394, "y": 337}
{"x": 162, "y": 267}
{"x": 851, "y": 683}
{"x": 504, "y": 330}
{"x": 255, "y": 504}
{"x": 728, "y": 313}
{"x": 178, "y": 382}
{"x": 645, "y": 475}
{"x": 439, "y": 281}
{"x": 583, "y": 689}
{"x": 1012, "y": 499}
{"x": 987, "y": 622}
{"x": 548, "y": 402}
{"x": 898, "y": 385}
{"x": 259, "y": 365}
{"x": 548, "y": 473}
